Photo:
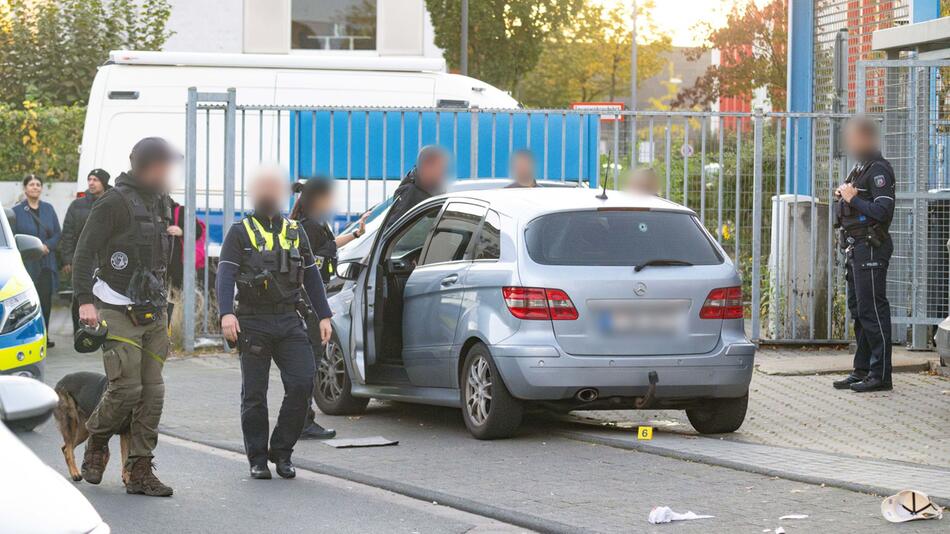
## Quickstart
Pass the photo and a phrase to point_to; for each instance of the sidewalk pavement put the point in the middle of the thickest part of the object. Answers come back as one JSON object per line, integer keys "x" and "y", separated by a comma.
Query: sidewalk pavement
{"x": 815, "y": 360}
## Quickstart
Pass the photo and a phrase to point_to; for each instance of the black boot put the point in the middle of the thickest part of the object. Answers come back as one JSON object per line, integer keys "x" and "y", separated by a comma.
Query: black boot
{"x": 260, "y": 472}
{"x": 285, "y": 468}
{"x": 315, "y": 431}
{"x": 872, "y": 383}
{"x": 845, "y": 383}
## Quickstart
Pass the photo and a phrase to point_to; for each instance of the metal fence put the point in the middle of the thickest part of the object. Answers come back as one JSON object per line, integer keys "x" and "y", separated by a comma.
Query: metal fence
{"x": 738, "y": 171}
{"x": 911, "y": 100}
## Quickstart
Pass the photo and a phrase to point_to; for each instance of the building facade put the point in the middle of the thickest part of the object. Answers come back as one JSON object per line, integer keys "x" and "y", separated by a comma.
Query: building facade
{"x": 361, "y": 27}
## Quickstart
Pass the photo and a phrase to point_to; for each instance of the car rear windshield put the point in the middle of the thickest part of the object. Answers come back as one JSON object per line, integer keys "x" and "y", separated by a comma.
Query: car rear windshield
{"x": 618, "y": 237}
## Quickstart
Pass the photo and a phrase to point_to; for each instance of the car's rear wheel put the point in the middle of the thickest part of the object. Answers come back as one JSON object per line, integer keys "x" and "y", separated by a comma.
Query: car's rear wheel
{"x": 332, "y": 391}
{"x": 488, "y": 409}
{"x": 719, "y": 416}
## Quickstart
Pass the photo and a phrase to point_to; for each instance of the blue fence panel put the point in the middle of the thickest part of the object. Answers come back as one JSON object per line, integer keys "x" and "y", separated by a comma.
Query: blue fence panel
{"x": 569, "y": 154}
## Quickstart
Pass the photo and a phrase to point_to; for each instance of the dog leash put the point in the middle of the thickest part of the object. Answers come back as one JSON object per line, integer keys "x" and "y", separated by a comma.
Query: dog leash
{"x": 132, "y": 342}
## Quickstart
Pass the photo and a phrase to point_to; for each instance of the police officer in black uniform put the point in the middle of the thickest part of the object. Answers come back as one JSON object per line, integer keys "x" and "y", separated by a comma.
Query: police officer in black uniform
{"x": 863, "y": 211}
{"x": 268, "y": 257}
{"x": 313, "y": 210}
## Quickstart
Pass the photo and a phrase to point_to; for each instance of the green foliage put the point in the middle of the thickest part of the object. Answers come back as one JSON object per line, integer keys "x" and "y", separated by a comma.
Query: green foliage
{"x": 49, "y": 50}
{"x": 590, "y": 59}
{"x": 505, "y": 37}
{"x": 40, "y": 140}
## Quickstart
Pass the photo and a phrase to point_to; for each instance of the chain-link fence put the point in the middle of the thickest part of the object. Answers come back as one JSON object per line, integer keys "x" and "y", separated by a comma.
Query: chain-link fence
{"x": 733, "y": 169}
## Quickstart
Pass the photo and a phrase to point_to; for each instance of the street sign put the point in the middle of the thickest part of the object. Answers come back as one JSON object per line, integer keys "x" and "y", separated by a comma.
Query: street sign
{"x": 686, "y": 150}
{"x": 601, "y": 106}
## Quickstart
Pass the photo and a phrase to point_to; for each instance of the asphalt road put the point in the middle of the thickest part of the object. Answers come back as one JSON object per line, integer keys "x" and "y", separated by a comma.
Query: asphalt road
{"x": 214, "y": 494}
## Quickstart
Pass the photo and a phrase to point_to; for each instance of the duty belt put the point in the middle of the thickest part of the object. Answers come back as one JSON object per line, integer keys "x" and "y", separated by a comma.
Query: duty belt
{"x": 265, "y": 309}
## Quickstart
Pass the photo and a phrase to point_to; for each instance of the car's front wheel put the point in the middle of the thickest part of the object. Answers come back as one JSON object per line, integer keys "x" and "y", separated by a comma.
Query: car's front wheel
{"x": 719, "y": 416}
{"x": 488, "y": 409}
{"x": 332, "y": 391}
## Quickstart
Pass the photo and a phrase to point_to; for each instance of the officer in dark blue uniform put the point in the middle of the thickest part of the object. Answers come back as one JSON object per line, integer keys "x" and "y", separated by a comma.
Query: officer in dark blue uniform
{"x": 268, "y": 257}
{"x": 864, "y": 209}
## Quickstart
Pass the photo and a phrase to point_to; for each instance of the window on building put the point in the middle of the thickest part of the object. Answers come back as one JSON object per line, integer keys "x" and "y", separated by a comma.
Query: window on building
{"x": 333, "y": 25}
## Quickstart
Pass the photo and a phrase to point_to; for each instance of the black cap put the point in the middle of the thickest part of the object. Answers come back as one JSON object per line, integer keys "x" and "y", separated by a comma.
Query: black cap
{"x": 152, "y": 150}
{"x": 101, "y": 175}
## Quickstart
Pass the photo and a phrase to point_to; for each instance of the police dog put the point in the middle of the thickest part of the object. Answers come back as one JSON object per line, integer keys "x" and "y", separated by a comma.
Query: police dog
{"x": 79, "y": 394}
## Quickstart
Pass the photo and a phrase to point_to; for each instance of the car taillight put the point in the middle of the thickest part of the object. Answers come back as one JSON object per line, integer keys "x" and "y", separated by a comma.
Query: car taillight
{"x": 723, "y": 303}
{"x": 537, "y": 303}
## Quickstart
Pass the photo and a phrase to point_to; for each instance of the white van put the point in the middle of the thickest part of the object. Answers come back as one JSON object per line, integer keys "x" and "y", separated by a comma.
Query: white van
{"x": 141, "y": 94}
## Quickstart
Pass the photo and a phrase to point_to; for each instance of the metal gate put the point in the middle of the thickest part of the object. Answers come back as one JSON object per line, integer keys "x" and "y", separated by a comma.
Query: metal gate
{"x": 910, "y": 99}
{"x": 737, "y": 171}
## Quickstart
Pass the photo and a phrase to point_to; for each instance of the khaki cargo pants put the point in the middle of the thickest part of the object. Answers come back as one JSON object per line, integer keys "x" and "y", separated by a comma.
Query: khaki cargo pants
{"x": 136, "y": 391}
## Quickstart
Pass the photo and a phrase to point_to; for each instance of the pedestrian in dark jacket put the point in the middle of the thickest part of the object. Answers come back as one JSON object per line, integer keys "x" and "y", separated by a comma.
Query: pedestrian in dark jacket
{"x": 96, "y": 184}
{"x": 37, "y": 218}
{"x": 424, "y": 181}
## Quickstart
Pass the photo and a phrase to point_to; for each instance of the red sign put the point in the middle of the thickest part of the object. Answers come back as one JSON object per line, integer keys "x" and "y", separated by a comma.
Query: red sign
{"x": 601, "y": 106}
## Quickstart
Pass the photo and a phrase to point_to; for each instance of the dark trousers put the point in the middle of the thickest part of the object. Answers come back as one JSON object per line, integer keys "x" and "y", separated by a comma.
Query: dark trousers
{"x": 867, "y": 301}
{"x": 282, "y": 338}
{"x": 44, "y": 288}
{"x": 74, "y": 308}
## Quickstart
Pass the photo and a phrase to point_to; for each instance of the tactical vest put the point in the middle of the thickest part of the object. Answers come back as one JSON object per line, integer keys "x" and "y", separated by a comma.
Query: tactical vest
{"x": 325, "y": 254}
{"x": 137, "y": 258}
{"x": 849, "y": 217}
{"x": 271, "y": 274}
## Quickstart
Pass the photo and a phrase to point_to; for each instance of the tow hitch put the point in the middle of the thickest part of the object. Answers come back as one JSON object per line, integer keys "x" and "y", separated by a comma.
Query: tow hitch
{"x": 646, "y": 400}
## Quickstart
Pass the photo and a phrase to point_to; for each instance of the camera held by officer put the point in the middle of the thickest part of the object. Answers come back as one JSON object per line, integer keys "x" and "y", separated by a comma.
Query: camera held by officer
{"x": 864, "y": 208}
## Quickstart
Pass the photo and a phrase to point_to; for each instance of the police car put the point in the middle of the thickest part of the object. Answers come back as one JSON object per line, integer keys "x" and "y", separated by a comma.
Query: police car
{"x": 22, "y": 332}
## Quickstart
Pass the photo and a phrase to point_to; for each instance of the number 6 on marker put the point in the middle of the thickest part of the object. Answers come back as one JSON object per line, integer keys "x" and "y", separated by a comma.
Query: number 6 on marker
{"x": 645, "y": 432}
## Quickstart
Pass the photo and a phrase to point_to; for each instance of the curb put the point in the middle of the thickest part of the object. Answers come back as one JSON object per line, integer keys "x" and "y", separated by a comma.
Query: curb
{"x": 916, "y": 367}
{"x": 880, "y": 491}
{"x": 519, "y": 519}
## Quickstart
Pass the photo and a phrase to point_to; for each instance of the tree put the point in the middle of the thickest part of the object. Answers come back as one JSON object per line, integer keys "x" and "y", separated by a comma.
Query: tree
{"x": 590, "y": 59}
{"x": 49, "y": 49}
{"x": 752, "y": 46}
{"x": 504, "y": 37}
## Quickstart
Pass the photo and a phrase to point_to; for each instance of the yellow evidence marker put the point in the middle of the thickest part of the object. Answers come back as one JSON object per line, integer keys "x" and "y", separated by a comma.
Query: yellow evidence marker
{"x": 645, "y": 432}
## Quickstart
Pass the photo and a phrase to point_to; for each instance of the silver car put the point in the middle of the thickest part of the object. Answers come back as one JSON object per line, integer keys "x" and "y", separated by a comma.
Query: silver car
{"x": 494, "y": 300}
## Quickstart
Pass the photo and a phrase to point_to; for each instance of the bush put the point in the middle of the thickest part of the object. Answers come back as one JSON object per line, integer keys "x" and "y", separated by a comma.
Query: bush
{"x": 42, "y": 140}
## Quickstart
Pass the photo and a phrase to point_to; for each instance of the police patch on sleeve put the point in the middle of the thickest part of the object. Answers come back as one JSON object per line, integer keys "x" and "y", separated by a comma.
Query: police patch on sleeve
{"x": 880, "y": 181}
{"x": 119, "y": 261}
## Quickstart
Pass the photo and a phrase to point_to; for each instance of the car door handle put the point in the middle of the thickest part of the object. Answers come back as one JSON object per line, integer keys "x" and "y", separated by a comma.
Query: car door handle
{"x": 450, "y": 279}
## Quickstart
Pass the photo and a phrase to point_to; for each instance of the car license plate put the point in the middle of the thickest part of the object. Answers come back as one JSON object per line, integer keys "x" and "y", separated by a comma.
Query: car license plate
{"x": 643, "y": 318}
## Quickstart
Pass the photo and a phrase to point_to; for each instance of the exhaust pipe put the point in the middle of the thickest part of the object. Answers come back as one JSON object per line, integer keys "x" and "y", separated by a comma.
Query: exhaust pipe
{"x": 587, "y": 395}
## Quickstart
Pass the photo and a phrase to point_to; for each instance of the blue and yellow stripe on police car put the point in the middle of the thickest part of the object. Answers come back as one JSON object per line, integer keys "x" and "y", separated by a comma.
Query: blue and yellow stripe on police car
{"x": 14, "y": 356}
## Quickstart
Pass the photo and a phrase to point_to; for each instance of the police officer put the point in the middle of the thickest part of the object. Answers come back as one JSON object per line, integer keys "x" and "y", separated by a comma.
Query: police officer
{"x": 864, "y": 209}
{"x": 313, "y": 210}
{"x": 269, "y": 258}
{"x": 119, "y": 273}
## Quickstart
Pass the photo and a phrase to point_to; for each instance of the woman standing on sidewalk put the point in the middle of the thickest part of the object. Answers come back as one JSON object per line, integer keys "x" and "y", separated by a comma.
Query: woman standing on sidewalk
{"x": 37, "y": 218}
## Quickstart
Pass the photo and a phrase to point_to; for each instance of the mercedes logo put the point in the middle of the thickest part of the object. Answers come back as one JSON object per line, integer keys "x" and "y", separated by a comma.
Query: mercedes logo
{"x": 640, "y": 289}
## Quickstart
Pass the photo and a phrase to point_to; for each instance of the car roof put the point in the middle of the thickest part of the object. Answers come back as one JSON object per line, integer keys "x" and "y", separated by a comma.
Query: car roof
{"x": 528, "y": 203}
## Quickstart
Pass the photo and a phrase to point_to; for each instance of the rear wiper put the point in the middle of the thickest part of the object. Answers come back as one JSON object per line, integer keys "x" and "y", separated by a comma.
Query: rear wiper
{"x": 641, "y": 266}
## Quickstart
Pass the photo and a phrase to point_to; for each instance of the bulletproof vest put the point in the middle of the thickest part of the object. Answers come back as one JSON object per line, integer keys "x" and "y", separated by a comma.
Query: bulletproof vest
{"x": 324, "y": 253}
{"x": 860, "y": 177}
{"x": 271, "y": 271}
{"x": 137, "y": 258}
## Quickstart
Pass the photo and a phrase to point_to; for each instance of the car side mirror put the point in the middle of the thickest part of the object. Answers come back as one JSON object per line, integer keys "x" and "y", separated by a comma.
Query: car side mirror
{"x": 349, "y": 270}
{"x": 30, "y": 247}
{"x": 23, "y": 399}
{"x": 11, "y": 216}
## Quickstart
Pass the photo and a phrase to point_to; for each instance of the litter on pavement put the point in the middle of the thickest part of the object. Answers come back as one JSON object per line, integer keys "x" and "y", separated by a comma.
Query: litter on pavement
{"x": 375, "y": 441}
{"x": 909, "y": 505}
{"x": 663, "y": 514}
{"x": 793, "y": 516}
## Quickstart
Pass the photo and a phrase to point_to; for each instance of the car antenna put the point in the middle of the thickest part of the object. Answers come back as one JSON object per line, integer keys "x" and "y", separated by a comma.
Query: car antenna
{"x": 603, "y": 193}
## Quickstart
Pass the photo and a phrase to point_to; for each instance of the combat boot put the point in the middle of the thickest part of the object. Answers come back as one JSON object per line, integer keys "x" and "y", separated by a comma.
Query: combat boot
{"x": 95, "y": 459}
{"x": 142, "y": 480}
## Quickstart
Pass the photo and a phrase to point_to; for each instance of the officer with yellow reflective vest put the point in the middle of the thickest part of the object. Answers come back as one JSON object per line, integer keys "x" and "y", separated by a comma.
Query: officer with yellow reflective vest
{"x": 268, "y": 258}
